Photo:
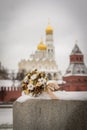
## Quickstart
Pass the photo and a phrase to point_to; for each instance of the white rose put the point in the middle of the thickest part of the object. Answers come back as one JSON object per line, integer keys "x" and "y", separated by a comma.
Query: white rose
{"x": 34, "y": 76}
{"x": 26, "y": 79}
{"x": 42, "y": 80}
{"x": 30, "y": 86}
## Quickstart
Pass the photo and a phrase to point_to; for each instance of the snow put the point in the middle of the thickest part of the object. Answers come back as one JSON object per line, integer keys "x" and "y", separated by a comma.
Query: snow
{"x": 24, "y": 98}
{"x": 9, "y": 83}
{"x": 70, "y": 74}
{"x": 63, "y": 95}
{"x": 61, "y": 81}
{"x": 76, "y": 69}
{"x": 6, "y": 116}
{"x": 57, "y": 82}
{"x": 76, "y": 50}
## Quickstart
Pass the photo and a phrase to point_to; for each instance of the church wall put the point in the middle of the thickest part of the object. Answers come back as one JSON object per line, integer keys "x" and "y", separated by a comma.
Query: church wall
{"x": 43, "y": 58}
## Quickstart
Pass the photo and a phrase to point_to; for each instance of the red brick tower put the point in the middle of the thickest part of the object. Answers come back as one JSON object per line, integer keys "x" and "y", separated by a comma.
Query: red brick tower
{"x": 76, "y": 73}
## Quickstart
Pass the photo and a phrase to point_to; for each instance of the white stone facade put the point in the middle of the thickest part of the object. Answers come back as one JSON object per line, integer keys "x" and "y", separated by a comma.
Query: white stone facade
{"x": 44, "y": 57}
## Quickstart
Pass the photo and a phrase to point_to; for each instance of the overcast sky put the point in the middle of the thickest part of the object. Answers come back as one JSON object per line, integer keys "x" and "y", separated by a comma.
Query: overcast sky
{"x": 23, "y": 23}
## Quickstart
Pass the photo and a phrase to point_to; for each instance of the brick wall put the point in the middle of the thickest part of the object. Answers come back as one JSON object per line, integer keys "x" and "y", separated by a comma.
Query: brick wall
{"x": 9, "y": 94}
{"x": 75, "y": 83}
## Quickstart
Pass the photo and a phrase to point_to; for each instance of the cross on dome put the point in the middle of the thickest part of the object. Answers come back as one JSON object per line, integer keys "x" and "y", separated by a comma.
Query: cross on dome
{"x": 41, "y": 45}
{"x": 49, "y": 29}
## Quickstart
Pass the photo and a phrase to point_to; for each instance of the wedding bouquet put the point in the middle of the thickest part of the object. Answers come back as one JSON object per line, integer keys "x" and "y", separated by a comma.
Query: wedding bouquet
{"x": 34, "y": 83}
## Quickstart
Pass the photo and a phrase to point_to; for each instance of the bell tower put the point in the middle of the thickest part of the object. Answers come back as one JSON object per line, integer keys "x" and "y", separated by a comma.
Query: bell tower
{"x": 49, "y": 42}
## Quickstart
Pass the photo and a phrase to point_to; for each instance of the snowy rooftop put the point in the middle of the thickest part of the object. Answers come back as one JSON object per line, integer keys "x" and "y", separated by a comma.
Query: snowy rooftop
{"x": 76, "y": 50}
{"x": 76, "y": 69}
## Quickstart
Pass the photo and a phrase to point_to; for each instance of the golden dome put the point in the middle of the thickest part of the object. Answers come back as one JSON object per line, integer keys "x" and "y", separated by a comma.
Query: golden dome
{"x": 49, "y": 29}
{"x": 41, "y": 46}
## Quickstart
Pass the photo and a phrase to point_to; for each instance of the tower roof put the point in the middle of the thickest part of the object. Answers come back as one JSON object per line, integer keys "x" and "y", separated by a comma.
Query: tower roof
{"x": 41, "y": 46}
{"x": 49, "y": 29}
{"x": 76, "y": 69}
{"x": 76, "y": 50}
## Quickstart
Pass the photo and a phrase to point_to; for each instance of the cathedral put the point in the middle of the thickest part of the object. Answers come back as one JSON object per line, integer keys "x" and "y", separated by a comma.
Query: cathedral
{"x": 43, "y": 58}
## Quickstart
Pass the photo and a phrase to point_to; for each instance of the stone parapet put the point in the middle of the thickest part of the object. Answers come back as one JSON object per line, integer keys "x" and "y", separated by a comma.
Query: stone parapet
{"x": 42, "y": 114}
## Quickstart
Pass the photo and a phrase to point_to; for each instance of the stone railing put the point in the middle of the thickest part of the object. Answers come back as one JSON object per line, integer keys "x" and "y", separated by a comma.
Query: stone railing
{"x": 42, "y": 114}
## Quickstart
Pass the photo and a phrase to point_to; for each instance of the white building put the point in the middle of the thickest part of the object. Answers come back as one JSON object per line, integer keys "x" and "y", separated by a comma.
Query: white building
{"x": 44, "y": 57}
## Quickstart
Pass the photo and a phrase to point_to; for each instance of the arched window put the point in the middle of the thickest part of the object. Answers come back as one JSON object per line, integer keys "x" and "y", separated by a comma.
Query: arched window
{"x": 69, "y": 71}
{"x": 55, "y": 75}
{"x": 49, "y": 76}
{"x": 48, "y": 50}
{"x": 80, "y": 58}
{"x": 78, "y": 71}
{"x": 83, "y": 71}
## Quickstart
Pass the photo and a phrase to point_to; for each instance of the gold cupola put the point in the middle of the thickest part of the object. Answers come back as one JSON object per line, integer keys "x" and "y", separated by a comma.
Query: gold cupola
{"x": 49, "y": 29}
{"x": 41, "y": 46}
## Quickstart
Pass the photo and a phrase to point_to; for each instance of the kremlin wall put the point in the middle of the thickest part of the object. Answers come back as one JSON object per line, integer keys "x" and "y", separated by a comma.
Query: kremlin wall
{"x": 9, "y": 94}
{"x": 44, "y": 60}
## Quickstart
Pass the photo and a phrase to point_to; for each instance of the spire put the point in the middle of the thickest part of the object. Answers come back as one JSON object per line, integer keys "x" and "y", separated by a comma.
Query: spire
{"x": 48, "y": 21}
{"x": 76, "y": 41}
{"x": 76, "y": 49}
{"x": 49, "y": 29}
{"x": 41, "y": 39}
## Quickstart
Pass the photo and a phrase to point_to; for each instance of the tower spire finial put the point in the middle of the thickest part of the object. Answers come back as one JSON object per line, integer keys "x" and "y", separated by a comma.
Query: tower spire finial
{"x": 76, "y": 42}
{"x": 48, "y": 21}
{"x": 41, "y": 39}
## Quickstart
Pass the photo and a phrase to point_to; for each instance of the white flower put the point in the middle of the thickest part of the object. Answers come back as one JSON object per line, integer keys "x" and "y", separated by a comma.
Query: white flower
{"x": 30, "y": 86}
{"x": 42, "y": 81}
{"x": 34, "y": 76}
{"x": 26, "y": 79}
{"x": 36, "y": 82}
